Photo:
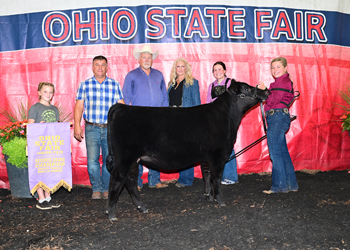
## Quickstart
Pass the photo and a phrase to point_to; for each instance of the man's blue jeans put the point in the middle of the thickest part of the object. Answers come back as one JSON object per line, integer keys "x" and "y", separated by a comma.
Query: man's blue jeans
{"x": 230, "y": 170}
{"x": 186, "y": 177}
{"x": 153, "y": 177}
{"x": 96, "y": 139}
{"x": 283, "y": 175}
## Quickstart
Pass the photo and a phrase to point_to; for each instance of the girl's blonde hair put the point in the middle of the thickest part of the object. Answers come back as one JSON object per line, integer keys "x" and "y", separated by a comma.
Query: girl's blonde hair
{"x": 188, "y": 73}
{"x": 42, "y": 84}
{"x": 281, "y": 60}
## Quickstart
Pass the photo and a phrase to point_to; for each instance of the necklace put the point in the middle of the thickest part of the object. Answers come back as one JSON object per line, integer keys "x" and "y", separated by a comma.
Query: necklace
{"x": 177, "y": 83}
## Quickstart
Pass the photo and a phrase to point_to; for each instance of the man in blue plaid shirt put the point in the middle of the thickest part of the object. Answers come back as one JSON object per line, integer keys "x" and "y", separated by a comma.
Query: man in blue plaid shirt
{"x": 95, "y": 96}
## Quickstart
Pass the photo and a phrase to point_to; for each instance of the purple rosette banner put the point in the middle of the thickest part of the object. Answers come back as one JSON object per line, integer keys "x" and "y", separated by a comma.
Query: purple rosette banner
{"x": 49, "y": 156}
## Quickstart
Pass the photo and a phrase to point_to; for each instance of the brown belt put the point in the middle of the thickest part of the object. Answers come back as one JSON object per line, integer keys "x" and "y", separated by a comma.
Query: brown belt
{"x": 272, "y": 111}
{"x": 96, "y": 124}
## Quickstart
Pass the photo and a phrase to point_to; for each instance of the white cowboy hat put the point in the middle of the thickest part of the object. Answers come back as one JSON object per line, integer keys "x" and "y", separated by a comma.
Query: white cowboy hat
{"x": 145, "y": 49}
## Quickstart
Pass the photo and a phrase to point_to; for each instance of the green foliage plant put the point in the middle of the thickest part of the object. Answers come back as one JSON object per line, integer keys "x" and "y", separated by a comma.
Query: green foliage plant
{"x": 16, "y": 152}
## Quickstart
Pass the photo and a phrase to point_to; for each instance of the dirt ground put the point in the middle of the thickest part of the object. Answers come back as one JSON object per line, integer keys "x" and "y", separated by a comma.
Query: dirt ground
{"x": 315, "y": 217}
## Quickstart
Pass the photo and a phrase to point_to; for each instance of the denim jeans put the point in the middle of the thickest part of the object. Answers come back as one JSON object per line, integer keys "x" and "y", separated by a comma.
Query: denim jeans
{"x": 153, "y": 177}
{"x": 283, "y": 175}
{"x": 96, "y": 139}
{"x": 186, "y": 177}
{"x": 230, "y": 170}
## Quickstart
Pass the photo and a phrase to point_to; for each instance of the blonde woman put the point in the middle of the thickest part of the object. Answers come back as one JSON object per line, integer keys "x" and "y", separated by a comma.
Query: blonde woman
{"x": 183, "y": 91}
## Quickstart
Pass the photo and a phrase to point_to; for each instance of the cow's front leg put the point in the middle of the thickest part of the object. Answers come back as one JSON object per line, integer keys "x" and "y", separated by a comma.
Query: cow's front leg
{"x": 217, "y": 192}
{"x": 131, "y": 185}
{"x": 116, "y": 184}
{"x": 215, "y": 178}
{"x": 206, "y": 178}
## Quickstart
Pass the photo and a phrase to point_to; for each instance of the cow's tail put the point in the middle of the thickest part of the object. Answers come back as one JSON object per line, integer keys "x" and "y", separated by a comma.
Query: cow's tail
{"x": 110, "y": 156}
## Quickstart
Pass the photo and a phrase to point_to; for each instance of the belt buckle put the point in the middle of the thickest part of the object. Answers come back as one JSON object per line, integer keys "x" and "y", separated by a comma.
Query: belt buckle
{"x": 285, "y": 110}
{"x": 271, "y": 112}
{"x": 100, "y": 125}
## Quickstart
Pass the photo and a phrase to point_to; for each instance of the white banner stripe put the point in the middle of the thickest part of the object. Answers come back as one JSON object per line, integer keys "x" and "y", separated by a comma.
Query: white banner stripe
{"x": 23, "y": 6}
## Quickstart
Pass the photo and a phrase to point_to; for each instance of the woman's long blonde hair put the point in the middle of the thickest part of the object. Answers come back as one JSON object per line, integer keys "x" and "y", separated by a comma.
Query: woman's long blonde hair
{"x": 188, "y": 73}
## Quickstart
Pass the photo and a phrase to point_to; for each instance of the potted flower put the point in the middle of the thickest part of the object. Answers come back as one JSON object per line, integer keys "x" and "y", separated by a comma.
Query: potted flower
{"x": 345, "y": 118}
{"x": 13, "y": 141}
{"x": 345, "y": 123}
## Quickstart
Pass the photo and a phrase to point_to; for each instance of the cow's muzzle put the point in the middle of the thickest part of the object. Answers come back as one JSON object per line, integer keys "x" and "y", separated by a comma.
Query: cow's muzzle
{"x": 260, "y": 94}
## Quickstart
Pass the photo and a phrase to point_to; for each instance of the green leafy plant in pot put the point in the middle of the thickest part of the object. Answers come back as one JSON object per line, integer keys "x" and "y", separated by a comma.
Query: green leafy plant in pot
{"x": 13, "y": 139}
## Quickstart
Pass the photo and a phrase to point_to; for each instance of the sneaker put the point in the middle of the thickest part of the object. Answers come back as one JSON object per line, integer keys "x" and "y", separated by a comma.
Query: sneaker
{"x": 268, "y": 192}
{"x": 54, "y": 204}
{"x": 294, "y": 190}
{"x": 96, "y": 196}
{"x": 44, "y": 205}
{"x": 228, "y": 182}
{"x": 179, "y": 185}
{"x": 159, "y": 185}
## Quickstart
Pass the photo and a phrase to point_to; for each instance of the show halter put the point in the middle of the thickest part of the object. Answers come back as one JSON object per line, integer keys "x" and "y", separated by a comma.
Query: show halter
{"x": 292, "y": 118}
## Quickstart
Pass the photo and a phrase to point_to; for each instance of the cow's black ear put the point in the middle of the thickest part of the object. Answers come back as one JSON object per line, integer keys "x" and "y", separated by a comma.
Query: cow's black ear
{"x": 234, "y": 86}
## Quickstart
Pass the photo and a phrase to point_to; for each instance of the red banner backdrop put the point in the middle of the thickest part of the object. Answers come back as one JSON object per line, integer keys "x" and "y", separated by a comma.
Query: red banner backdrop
{"x": 315, "y": 140}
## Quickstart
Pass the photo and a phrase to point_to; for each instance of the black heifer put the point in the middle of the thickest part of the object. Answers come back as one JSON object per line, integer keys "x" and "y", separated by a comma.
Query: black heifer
{"x": 175, "y": 138}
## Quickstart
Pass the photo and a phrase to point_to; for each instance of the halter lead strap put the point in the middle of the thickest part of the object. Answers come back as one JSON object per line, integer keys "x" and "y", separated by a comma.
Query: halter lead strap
{"x": 263, "y": 116}
{"x": 289, "y": 91}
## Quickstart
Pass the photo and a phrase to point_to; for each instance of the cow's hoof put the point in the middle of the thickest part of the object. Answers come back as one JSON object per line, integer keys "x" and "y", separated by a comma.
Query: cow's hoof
{"x": 111, "y": 216}
{"x": 208, "y": 197}
{"x": 142, "y": 209}
{"x": 221, "y": 203}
